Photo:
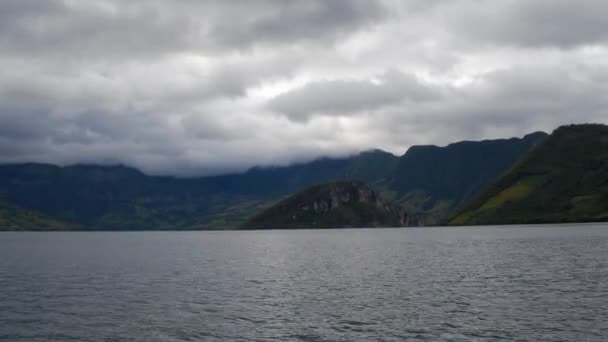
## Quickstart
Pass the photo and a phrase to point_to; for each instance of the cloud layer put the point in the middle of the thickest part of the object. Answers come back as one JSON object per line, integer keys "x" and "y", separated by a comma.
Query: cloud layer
{"x": 199, "y": 87}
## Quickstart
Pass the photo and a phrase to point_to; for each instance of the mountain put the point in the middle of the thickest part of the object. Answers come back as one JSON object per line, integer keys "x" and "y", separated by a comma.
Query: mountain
{"x": 428, "y": 181}
{"x": 435, "y": 180}
{"x": 119, "y": 197}
{"x": 350, "y": 204}
{"x": 14, "y": 218}
{"x": 564, "y": 179}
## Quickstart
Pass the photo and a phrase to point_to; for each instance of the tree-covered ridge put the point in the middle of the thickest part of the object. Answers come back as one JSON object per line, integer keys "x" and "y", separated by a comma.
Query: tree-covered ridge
{"x": 564, "y": 179}
{"x": 435, "y": 180}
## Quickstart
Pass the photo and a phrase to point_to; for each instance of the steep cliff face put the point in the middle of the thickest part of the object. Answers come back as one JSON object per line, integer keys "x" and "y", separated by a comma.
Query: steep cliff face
{"x": 340, "y": 194}
{"x": 332, "y": 205}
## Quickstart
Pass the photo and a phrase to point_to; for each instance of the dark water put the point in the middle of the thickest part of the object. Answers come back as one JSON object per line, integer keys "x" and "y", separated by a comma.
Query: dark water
{"x": 454, "y": 284}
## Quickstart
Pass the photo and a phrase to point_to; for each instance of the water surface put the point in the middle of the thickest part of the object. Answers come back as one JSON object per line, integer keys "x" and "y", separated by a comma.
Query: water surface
{"x": 546, "y": 283}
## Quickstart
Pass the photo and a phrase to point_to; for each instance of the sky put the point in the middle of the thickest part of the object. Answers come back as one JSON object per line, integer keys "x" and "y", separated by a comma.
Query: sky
{"x": 198, "y": 87}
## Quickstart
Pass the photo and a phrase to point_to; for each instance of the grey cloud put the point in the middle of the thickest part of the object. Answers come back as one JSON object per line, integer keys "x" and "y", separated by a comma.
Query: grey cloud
{"x": 101, "y": 30}
{"x": 24, "y": 126}
{"x": 289, "y": 21}
{"x": 502, "y": 104}
{"x": 539, "y": 23}
{"x": 143, "y": 30}
{"x": 194, "y": 87}
{"x": 348, "y": 97}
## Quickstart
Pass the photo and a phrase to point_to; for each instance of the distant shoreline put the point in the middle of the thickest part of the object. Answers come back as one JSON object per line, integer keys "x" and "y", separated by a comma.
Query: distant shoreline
{"x": 515, "y": 226}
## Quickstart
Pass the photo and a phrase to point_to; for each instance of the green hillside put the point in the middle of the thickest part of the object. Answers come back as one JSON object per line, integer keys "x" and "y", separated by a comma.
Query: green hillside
{"x": 14, "y": 218}
{"x": 333, "y": 205}
{"x": 564, "y": 179}
{"x": 435, "y": 180}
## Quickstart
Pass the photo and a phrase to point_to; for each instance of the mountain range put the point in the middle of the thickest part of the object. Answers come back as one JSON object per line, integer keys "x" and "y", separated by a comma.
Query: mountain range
{"x": 428, "y": 182}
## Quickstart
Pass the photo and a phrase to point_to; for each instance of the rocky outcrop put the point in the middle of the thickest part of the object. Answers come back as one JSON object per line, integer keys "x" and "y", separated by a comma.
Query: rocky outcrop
{"x": 334, "y": 205}
{"x": 340, "y": 194}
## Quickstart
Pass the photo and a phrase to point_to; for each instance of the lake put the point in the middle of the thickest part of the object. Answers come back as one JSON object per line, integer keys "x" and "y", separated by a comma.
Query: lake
{"x": 542, "y": 283}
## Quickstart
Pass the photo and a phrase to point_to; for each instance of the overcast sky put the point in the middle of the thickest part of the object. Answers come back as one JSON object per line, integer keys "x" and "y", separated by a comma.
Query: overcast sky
{"x": 192, "y": 87}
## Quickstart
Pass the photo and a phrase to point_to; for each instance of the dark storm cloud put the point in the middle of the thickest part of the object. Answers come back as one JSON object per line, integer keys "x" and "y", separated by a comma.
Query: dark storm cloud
{"x": 194, "y": 87}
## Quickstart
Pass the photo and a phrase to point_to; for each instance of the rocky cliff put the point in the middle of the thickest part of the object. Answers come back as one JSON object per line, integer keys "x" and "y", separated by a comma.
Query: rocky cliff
{"x": 349, "y": 204}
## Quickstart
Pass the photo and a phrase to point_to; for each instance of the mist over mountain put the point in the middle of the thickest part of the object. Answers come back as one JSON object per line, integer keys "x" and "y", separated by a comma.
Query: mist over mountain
{"x": 119, "y": 197}
{"x": 426, "y": 181}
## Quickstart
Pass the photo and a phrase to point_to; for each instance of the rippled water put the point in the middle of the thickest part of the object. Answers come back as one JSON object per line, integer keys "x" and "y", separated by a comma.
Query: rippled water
{"x": 430, "y": 284}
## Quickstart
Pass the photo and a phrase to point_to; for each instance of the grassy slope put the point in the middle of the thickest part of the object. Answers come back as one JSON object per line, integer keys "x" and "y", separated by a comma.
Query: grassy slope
{"x": 565, "y": 179}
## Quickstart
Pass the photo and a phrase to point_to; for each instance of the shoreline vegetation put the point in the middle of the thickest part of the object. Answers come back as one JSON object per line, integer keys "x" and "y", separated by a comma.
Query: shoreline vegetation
{"x": 241, "y": 229}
